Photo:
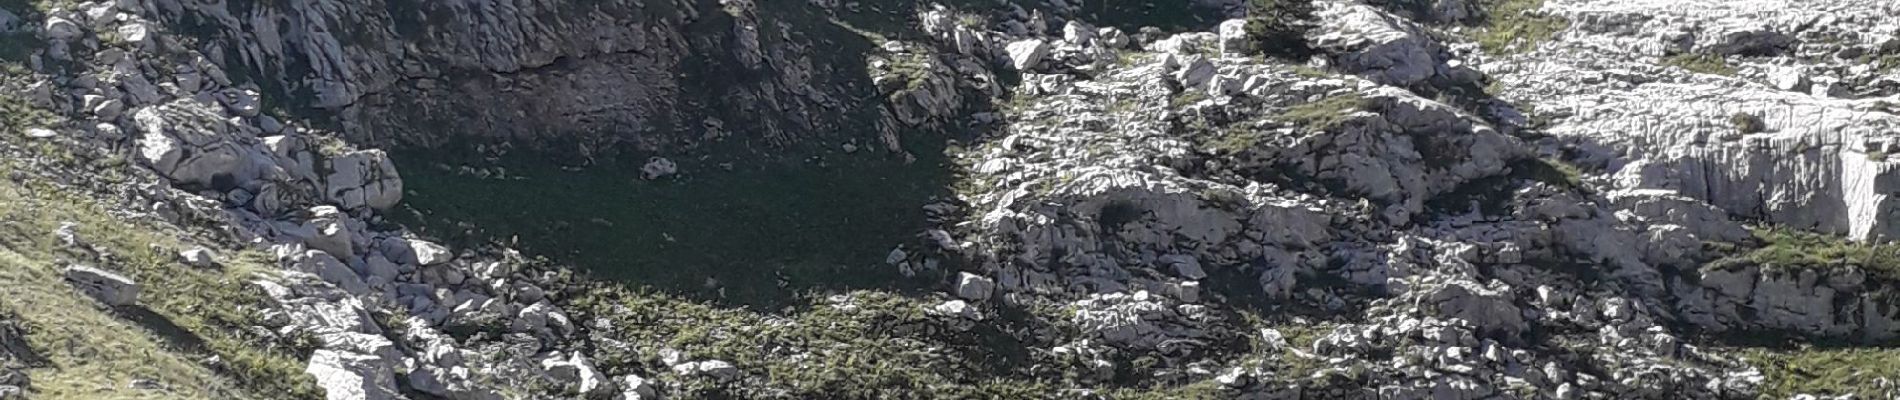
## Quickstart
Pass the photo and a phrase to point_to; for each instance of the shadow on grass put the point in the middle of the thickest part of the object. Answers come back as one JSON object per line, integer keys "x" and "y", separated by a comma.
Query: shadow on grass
{"x": 176, "y": 337}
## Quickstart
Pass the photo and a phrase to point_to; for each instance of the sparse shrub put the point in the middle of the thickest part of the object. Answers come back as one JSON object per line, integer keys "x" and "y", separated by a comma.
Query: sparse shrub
{"x": 1279, "y": 27}
{"x": 1747, "y": 123}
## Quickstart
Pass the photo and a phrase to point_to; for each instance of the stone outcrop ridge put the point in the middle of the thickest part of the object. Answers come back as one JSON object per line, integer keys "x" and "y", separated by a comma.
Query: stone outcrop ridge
{"x": 1817, "y": 162}
{"x": 592, "y": 77}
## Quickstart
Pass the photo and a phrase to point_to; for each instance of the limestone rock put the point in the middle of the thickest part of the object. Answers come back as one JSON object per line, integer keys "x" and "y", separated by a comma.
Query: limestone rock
{"x": 974, "y": 287}
{"x": 1025, "y": 54}
{"x": 107, "y": 287}
{"x": 714, "y": 369}
{"x": 199, "y": 257}
{"x": 658, "y": 167}
{"x": 1234, "y": 39}
{"x": 428, "y": 253}
{"x": 350, "y": 376}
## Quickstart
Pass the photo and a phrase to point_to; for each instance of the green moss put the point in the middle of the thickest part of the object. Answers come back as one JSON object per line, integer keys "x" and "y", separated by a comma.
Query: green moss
{"x": 1327, "y": 113}
{"x": 1515, "y": 26}
{"x": 1701, "y": 63}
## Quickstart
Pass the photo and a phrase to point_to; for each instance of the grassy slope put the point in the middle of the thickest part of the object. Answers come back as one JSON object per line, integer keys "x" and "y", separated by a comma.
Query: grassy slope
{"x": 92, "y": 354}
{"x": 185, "y": 316}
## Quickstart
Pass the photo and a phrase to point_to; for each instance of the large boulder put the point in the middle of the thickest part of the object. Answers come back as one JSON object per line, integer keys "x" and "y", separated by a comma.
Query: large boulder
{"x": 195, "y": 146}
{"x": 1234, "y": 39}
{"x": 328, "y": 230}
{"x": 1025, "y": 54}
{"x": 107, "y": 287}
{"x": 363, "y": 178}
{"x": 974, "y": 287}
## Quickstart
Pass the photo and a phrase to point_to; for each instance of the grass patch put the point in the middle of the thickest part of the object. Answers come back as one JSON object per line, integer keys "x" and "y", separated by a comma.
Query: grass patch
{"x": 1516, "y": 26}
{"x": 1327, "y": 113}
{"x": 1791, "y": 248}
{"x": 867, "y": 344}
{"x": 185, "y": 315}
{"x": 1701, "y": 63}
{"x": 1825, "y": 371}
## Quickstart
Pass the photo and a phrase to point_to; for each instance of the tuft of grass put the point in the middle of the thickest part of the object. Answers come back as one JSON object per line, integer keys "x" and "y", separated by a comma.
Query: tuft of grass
{"x": 1327, "y": 113}
{"x": 1861, "y": 372}
{"x": 185, "y": 317}
{"x": 1701, "y": 63}
{"x": 1309, "y": 72}
{"x": 1233, "y": 140}
{"x": 1791, "y": 248}
{"x": 1516, "y": 26}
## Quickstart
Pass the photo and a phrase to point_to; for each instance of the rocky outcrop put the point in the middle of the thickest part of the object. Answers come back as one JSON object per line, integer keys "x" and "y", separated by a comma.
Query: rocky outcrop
{"x": 1391, "y": 51}
{"x": 1816, "y": 162}
{"x": 1822, "y": 301}
{"x": 589, "y": 77}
